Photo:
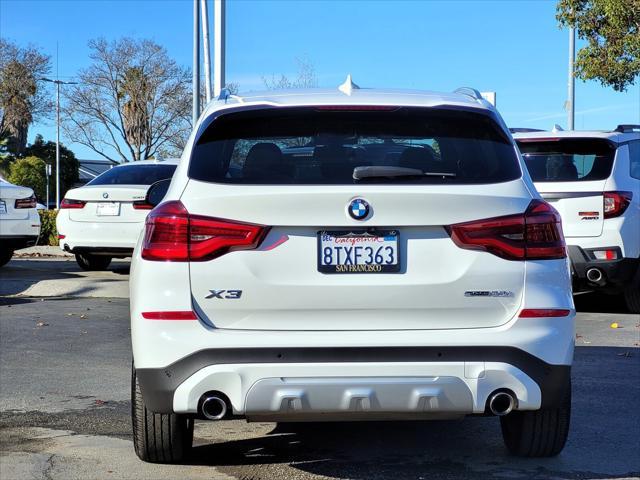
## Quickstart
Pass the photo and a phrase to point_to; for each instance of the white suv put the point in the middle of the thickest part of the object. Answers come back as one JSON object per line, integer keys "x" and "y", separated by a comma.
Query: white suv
{"x": 351, "y": 255}
{"x": 593, "y": 180}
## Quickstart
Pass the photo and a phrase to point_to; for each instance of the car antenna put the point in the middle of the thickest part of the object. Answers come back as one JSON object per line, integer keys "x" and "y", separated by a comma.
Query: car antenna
{"x": 348, "y": 86}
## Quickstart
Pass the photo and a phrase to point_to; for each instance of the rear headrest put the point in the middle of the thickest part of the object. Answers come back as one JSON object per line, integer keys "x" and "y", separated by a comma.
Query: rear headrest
{"x": 416, "y": 157}
{"x": 265, "y": 161}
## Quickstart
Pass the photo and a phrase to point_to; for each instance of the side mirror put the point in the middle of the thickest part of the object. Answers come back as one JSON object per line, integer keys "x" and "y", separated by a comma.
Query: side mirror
{"x": 157, "y": 192}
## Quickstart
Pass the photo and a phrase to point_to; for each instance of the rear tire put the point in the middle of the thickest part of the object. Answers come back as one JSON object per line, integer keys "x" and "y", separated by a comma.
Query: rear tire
{"x": 90, "y": 262}
{"x": 538, "y": 433}
{"x": 158, "y": 437}
{"x": 5, "y": 256}
{"x": 632, "y": 298}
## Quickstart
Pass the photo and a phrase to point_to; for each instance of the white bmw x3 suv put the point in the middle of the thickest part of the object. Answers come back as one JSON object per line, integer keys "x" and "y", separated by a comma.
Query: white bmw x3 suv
{"x": 103, "y": 219}
{"x": 351, "y": 255}
{"x": 593, "y": 179}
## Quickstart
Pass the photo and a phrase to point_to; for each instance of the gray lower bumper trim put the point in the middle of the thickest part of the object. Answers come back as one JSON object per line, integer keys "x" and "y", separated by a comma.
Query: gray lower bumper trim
{"x": 159, "y": 384}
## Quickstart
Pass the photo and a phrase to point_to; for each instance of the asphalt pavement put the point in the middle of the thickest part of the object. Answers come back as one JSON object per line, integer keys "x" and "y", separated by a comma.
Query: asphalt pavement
{"x": 65, "y": 361}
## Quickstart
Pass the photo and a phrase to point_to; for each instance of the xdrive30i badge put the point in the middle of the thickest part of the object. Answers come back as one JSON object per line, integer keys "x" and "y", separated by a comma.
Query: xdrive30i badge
{"x": 488, "y": 293}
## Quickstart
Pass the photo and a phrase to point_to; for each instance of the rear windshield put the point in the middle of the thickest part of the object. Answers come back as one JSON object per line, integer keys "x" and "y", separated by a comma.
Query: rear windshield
{"x": 134, "y": 175}
{"x": 567, "y": 160}
{"x": 324, "y": 145}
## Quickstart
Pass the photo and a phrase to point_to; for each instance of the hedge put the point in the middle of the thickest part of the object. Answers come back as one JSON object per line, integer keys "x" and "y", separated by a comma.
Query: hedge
{"x": 48, "y": 232}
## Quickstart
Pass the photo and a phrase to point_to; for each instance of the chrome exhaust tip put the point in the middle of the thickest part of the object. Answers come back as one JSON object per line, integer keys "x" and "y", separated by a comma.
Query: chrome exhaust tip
{"x": 501, "y": 403}
{"x": 594, "y": 275}
{"x": 213, "y": 407}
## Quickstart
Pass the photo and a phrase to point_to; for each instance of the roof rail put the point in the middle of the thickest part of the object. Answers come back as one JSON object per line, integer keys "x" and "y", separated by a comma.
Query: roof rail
{"x": 469, "y": 92}
{"x": 524, "y": 130}
{"x": 225, "y": 94}
{"x": 627, "y": 128}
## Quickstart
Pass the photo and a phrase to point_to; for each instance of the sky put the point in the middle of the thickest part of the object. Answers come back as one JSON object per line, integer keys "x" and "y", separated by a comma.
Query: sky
{"x": 514, "y": 48}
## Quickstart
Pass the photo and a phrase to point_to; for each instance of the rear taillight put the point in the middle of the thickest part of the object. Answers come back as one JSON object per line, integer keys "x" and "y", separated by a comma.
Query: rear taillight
{"x": 142, "y": 205}
{"x": 535, "y": 234}
{"x": 544, "y": 312}
{"x": 172, "y": 234}
{"x": 615, "y": 203}
{"x": 26, "y": 202}
{"x": 170, "y": 315}
{"x": 68, "y": 203}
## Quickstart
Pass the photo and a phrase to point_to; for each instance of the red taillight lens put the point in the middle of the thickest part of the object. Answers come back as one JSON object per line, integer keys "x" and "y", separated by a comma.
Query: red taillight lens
{"x": 26, "y": 202}
{"x": 534, "y": 235}
{"x": 615, "y": 203}
{"x": 172, "y": 234}
{"x": 170, "y": 315}
{"x": 544, "y": 312}
{"x": 142, "y": 205}
{"x": 166, "y": 235}
{"x": 68, "y": 203}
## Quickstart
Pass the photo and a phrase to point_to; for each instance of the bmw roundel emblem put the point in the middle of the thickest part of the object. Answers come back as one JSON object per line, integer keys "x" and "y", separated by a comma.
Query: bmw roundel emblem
{"x": 105, "y": 195}
{"x": 358, "y": 209}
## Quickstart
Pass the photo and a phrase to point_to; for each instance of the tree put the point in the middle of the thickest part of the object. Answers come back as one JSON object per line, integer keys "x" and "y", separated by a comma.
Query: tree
{"x": 305, "y": 77}
{"x": 69, "y": 165}
{"x": 131, "y": 103}
{"x": 29, "y": 172}
{"x": 23, "y": 96}
{"x": 612, "y": 31}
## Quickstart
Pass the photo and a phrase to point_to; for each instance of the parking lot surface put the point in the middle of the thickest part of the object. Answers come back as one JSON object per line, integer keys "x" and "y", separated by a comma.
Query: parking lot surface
{"x": 64, "y": 403}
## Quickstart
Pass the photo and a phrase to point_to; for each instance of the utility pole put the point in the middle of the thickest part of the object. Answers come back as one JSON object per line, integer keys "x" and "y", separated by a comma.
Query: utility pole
{"x": 219, "y": 8}
{"x": 572, "y": 80}
{"x": 47, "y": 173}
{"x": 58, "y": 83}
{"x": 205, "y": 44}
{"x": 196, "y": 63}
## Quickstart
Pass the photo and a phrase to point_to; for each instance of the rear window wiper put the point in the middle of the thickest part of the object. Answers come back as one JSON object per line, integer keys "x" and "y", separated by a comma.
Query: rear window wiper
{"x": 361, "y": 173}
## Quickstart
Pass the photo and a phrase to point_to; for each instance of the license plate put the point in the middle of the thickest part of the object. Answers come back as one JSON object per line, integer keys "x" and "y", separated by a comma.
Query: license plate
{"x": 358, "y": 252}
{"x": 108, "y": 209}
{"x": 3, "y": 207}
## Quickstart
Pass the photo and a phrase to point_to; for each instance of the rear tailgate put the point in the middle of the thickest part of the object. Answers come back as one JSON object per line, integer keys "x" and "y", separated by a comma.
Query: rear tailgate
{"x": 438, "y": 286}
{"x": 580, "y": 205}
{"x": 571, "y": 172}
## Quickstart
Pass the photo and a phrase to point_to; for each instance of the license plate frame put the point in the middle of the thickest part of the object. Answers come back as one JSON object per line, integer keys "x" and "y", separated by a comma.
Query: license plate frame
{"x": 108, "y": 209}
{"x": 350, "y": 268}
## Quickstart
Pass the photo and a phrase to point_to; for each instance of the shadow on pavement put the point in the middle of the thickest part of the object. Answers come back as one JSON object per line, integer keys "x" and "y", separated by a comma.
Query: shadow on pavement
{"x": 603, "y": 441}
{"x": 18, "y": 275}
{"x": 600, "y": 303}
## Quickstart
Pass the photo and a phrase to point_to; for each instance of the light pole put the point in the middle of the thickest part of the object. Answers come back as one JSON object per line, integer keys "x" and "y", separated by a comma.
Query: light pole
{"x": 196, "y": 63}
{"x": 572, "y": 79}
{"x": 58, "y": 83}
{"x": 47, "y": 173}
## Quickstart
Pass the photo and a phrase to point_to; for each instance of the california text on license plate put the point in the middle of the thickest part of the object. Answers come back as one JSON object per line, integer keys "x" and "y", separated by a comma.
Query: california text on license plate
{"x": 358, "y": 252}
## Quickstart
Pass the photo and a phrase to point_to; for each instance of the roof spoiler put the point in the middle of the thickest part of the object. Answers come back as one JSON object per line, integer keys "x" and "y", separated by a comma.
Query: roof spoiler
{"x": 525, "y": 130}
{"x": 628, "y": 128}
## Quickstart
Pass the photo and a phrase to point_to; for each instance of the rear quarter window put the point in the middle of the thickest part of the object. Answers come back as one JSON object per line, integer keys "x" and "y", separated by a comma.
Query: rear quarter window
{"x": 134, "y": 175}
{"x": 324, "y": 146}
{"x": 634, "y": 158}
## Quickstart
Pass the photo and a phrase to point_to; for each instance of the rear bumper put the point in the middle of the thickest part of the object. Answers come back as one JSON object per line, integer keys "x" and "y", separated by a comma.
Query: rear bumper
{"x": 617, "y": 274}
{"x": 16, "y": 242}
{"x": 281, "y": 384}
{"x": 118, "y": 239}
{"x": 104, "y": 251}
